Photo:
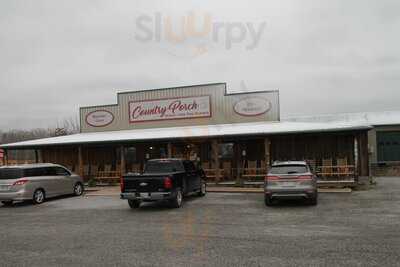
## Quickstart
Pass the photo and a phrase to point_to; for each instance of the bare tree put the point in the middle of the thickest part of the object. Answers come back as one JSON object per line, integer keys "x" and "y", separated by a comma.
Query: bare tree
{"x": 66, "y": 127}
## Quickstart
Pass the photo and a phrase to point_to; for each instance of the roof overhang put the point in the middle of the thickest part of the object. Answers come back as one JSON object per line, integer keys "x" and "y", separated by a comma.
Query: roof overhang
{"x": 201, "y": 131}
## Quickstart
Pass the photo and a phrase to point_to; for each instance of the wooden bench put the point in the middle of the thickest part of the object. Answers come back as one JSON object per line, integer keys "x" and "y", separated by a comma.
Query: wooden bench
{"x": 108, "y": 176}
{"x": 252, "y": 171}
{"x": 337, "y": 171}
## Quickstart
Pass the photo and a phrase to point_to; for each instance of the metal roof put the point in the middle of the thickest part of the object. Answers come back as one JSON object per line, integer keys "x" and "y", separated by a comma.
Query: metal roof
{"x": 378, "y": 118}
{"x": 290, "y": 162}
{"x": 204, "y": 131}
{"x": 30, "y": 166}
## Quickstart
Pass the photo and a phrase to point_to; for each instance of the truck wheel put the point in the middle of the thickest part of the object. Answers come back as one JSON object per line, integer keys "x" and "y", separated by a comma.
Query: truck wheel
{"x": 203, "y": 189}
{"x": 314, "y": 201}
{"x": 7, "y": 203}
{"x": 268, "y": 201}
{"x": 134, "y": 204}
{"x": 177, "y": 201}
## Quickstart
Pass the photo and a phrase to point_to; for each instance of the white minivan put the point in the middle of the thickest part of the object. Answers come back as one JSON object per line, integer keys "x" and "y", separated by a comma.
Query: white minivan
{"x": 37, "y": 182}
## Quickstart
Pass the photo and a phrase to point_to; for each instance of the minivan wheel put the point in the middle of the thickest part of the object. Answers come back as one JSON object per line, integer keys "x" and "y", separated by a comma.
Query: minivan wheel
{"x": 203, "y": 189}
{"x": 38, "y": 196}
{"x": 177, "y": 201}
{"x": 134, "y": 204}
{"x": 7, "y": 203}
{"x": 78, "y": 189}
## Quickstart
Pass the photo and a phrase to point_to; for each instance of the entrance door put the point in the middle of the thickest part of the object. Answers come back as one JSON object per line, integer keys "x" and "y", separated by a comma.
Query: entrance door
{"x": 188, "y": 151}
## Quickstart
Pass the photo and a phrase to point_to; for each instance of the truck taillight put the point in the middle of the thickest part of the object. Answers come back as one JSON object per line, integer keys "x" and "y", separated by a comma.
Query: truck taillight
{"x": 122, "y": 185}
{"x": 21, "y": 182}
{"x": 167, "y": 183}
{"x": 271, "y": 178}
{"x": 304, "y": 177}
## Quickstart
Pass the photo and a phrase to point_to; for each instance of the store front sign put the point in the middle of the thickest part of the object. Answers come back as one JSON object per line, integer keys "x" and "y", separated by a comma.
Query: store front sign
{"x": 99, "y": 118}
{"x": 252, "y": 106}
{"x": 170, "y": 109}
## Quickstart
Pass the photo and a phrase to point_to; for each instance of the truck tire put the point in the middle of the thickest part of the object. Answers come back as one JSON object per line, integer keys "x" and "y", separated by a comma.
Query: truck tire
{"x": 268, "y": 201}
{"x": 134, "y": 204}
{"x": 203, "y": 189}
{"x": 7, "y": 203}
{"x": 314, "y": 201}
{"x": 178, "y": 199}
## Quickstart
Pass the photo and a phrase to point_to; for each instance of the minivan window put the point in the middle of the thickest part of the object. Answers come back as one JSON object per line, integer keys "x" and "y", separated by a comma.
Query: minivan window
{"x": 35, "y": 172}
{"x": 11, "y": 173}
{"x": 61, "y": 172}
{"x": 289, "y": 169}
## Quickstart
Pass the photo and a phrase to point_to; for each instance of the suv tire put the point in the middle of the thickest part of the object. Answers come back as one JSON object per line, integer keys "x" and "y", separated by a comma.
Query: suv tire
{"x": 203, "y": 189}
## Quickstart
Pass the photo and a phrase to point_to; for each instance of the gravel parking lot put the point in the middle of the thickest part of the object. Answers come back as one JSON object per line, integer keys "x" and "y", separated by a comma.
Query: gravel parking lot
{"x": 357, "y": 229}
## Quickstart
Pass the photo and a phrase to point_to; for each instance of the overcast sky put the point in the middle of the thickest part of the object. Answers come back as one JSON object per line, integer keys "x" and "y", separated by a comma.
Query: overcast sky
{"x": 324, "y": 56}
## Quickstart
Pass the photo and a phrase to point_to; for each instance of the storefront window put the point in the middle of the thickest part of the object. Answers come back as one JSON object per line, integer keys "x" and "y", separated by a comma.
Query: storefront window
{"x": 226, "y": 150}
{"x": 388, "y": 146}
{"x": 155, "y": 152}
{"x": 131, "y": 155}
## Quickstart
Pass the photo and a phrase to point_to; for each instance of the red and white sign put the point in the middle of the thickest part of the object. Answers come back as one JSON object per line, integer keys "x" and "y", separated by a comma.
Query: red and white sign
{"x": 99, "y": 118}
{"x": 170, "y": 109}
{"x": 252, "y": 106}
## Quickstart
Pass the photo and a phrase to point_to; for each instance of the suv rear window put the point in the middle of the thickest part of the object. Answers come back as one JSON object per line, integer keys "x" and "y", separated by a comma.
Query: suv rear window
{"x": 289, "y": 169}
{"x": 11, "y": 173}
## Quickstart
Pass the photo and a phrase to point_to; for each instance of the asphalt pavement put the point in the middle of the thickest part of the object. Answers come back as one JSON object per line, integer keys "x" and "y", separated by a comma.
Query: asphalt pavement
{"x": 361, "y": 228}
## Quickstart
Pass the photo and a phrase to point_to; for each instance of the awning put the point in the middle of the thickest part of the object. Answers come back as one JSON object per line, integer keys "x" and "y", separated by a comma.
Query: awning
{"x": 201, "y": 131}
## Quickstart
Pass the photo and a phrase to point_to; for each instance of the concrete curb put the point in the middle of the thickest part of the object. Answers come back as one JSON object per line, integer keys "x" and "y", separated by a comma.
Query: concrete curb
{"x": 114, "y": 191}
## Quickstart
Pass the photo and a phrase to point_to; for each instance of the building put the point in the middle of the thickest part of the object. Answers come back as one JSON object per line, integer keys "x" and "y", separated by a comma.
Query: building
{"x": 233, "y": 136}
{"x": 383, "y": 138}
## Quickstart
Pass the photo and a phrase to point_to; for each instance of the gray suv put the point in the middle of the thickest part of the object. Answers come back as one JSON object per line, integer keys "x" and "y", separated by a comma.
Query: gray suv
{"x": 290, "y": 179}
{"x": 37, "y": 182}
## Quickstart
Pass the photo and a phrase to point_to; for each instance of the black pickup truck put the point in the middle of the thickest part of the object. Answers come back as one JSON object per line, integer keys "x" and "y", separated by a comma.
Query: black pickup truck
{"x": 163, "y": 180}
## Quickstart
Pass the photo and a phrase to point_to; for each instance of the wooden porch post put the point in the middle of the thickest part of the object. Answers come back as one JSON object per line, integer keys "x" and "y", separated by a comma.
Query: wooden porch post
{"x": 6, "y": 156}
{"x": 5, "y": 160}
{"x": 36, "y": 156}
{"x": 123, "y": 164}
{"x": 239, "y": 162}
{"x": 356, "y": 158}
{"x": 215, "y": 158}
{"x": 169, "y": 147}
{"x": 267, "y": 152}
{"x": 363, "y": 154}
{"x": 80, "y": 162}
{"x": 40, "y": 155}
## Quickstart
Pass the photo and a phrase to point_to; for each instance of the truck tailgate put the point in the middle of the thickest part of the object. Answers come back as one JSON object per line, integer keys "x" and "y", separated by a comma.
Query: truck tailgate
{"x": 138, "y": 183}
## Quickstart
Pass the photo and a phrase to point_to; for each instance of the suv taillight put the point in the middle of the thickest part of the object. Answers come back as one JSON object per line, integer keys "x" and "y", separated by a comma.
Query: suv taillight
{"x": 167, "y": 183}
{"x": 121, "y": 183}
{"x": 271, "y": 178}
{"x": 21, "y": 182}
{"x": 304, "y": 177}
